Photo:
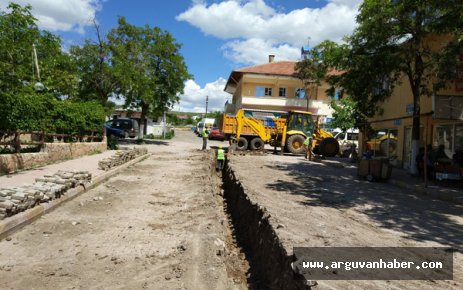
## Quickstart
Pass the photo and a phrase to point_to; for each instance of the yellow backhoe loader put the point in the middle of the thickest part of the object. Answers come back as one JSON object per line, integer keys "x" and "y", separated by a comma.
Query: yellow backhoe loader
{"x": 287, "y": 132}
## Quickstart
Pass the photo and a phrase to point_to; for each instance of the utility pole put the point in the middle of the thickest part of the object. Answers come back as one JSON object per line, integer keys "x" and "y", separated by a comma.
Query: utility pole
{"x": 164, "y": 125}
{"x": 207, "y": 100}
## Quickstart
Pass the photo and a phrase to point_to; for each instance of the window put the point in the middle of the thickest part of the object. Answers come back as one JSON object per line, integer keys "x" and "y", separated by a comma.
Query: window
{"x": 282, "y": 92}
{"x": 299, "y": 93}
{"x": 268, "y": 91}
{"x": 449, "y": 135}
{"x": 341, "y": 136}
{"x": 444, "y": 135}
{"x": 338, "y": 94}
{"x": 352, "y": 136}
{"x": 263, "y": 91}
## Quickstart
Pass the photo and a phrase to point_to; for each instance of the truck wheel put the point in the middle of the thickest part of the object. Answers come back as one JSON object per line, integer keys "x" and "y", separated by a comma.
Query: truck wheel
{"x": 329, "y": 147}
{"x": 242, "y": 144}
{"x": 257, "y": 144}
{"x": 295, "y": 144}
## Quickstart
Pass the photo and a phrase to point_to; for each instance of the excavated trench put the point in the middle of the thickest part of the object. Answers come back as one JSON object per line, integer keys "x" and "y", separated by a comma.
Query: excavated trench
{"x": 270, "y": 264}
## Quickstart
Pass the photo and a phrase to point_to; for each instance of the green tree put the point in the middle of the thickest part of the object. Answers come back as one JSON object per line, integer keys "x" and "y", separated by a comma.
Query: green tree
{"x": 18, "y": 34}
{"x": 148, "y": 63}
{"x": 97, "y": 80}
{"x": 342, "y": 115}
{"x": 392, "y": 44}
{"x": 215, "y": 115}
{"x": 311, "y": 71}
{"x": 24, "y": 108}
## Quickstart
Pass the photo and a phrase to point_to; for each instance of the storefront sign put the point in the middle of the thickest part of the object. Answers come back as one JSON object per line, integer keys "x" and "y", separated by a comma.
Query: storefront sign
{"x": 398, "y": 122}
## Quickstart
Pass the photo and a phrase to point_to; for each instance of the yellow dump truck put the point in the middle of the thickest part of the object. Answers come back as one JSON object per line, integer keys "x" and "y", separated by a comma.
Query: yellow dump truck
{"x": 287, "y": 130}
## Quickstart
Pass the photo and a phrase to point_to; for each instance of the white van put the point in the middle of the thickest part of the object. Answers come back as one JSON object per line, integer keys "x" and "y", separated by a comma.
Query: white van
{"x": 210, "y": 122}
{"x": 346, "y": 139}
{"x": 199, "y": 128}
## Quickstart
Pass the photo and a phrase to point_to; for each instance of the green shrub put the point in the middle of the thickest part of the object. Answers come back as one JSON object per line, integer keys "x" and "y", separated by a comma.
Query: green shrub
{"x": 112, "y": 142}
{"x": 30, "y": 111}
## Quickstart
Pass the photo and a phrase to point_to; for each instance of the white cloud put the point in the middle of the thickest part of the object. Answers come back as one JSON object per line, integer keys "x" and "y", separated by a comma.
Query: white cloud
{"x": 194, "y": 97}
{"x": 59, "y": 15}
{"x": 256, "y": 50}
{"x": 253, "y": 22}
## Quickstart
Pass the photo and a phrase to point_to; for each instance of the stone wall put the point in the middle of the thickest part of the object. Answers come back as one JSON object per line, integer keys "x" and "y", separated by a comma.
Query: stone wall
{"x": 51, "y": 153}
{"x": 121, "y": 157}
{"x": 17, "y": 199}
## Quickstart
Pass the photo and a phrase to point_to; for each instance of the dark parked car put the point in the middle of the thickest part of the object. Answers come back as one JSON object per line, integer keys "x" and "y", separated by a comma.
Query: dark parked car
{"x": 122, "y": 128}
{"x": 215, "y": 134}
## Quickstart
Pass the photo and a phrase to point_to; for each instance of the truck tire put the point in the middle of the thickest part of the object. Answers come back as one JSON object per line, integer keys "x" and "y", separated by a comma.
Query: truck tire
{"x": 257, "y": 144}
{"x": 295, "y": 144}
{"x": 329, "y": 147}
{"x": 242, "y": 144}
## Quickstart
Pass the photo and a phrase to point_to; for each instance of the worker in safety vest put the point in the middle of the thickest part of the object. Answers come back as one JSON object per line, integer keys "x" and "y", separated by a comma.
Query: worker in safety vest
{"x": 220, "y": 158}
{"x": 308, "y": 147}
{"x": 205, "y": 135}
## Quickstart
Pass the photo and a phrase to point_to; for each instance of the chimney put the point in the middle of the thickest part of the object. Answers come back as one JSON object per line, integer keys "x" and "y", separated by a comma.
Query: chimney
{"x": 271, "y": 57}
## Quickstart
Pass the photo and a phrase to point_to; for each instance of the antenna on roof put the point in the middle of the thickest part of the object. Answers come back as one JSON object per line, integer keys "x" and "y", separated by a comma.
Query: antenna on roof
{"x": 305, "y": 49}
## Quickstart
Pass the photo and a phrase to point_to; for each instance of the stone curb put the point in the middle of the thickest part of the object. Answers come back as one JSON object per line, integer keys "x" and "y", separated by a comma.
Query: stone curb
{"x": 13, "y": 223}
{"x": 445, "y": 196}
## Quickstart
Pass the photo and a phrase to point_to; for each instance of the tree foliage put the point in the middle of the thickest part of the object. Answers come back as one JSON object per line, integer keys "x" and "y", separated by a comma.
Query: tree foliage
{"x": 343, "y": 116}
{"x": 22, "y": 107}
{"x": 97, "y": 80}
{"x": 410, "y": 41}
{"x": 397, "y": 39}
{"x": 19, "y": 33}
{"x": 149, "y": 66}
{"x": 141, "y": 64}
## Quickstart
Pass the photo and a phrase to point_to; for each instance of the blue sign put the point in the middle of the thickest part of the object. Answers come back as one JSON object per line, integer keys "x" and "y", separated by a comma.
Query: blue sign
{"x": 409, "y": 109}
{"x": 397, "y": 122}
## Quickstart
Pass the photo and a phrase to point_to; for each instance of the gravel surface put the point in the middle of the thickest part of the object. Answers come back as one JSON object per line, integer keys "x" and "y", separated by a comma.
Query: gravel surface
{"x": 323, "y": 205}
{"x": 159, "y": 224}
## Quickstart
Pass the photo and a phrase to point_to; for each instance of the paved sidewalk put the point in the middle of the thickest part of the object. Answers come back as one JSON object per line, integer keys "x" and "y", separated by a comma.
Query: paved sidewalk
{"x": 89, "y": 163}
{"x": 450, "y": 191}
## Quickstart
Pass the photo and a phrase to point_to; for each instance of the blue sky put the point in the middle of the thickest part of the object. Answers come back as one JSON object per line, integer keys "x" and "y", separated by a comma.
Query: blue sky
{"x": 216, "y": 36}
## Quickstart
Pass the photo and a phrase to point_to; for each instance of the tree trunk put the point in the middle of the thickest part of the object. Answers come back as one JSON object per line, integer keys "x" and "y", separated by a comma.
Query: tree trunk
{"x": 144, "y": 110}
{"x": 415, "y": 130}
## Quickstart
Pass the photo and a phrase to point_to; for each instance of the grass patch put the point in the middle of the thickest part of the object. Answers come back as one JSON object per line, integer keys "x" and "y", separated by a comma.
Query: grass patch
{"x": 94, "y": 152}
{"x": 169, "y": 135}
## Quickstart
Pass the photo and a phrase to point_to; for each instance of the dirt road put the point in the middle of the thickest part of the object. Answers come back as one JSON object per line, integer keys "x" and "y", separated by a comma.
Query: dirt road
{"x": 315, "y": 205}
{"x": 158, "y": 225}
{"x": 161, "y": 224}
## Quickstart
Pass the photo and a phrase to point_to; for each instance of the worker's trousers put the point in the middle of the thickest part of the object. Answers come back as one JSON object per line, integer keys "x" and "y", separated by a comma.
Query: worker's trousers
{"x": 204, "y": 143}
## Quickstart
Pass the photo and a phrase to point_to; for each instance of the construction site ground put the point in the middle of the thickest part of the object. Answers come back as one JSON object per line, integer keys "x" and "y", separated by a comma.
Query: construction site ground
{"x": 164, "y": 224}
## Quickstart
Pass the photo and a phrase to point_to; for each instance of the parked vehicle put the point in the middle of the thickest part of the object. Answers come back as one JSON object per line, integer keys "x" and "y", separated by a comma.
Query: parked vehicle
{"x": 346, "y": 140}
{"x": 288, "y": 131}
{"x": 122, "y": 128}
{"x": 215, "y": 134}
{"x": 210, "y": 122}
{"x": 199, "y": 128}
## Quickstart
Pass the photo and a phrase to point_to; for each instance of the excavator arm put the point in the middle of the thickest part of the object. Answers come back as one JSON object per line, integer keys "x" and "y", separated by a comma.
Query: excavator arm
{"x": 255, "y": 125}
